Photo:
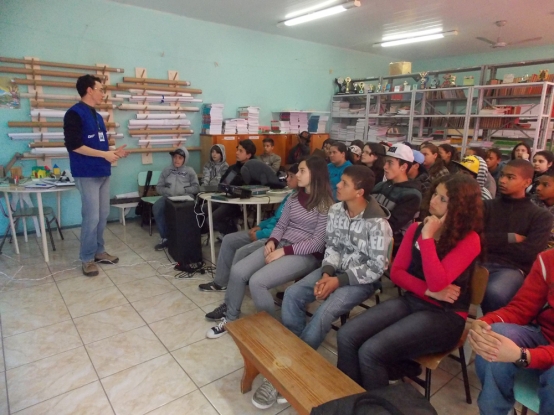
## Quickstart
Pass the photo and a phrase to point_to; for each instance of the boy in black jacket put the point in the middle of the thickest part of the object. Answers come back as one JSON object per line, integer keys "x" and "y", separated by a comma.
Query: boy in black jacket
{"x": 515, "y": 232}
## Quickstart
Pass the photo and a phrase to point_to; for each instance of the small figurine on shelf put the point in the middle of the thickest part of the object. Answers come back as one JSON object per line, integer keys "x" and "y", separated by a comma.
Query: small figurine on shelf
{"x": 543, "y": 75}
{"x": 378, "y": 89}
{"x": 361, "y": 88}
{"x": 387, "y": 88}
{"x": 435, "y": 82}
{"x": 371, "y": 88}
{"x": 449, "y": 81}
{"x": 423, "y": 79}
{"x": 340, "y": 83}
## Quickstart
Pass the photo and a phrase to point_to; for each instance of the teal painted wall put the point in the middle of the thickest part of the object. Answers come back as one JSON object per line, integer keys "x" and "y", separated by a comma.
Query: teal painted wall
{"x": 232, "y": 66}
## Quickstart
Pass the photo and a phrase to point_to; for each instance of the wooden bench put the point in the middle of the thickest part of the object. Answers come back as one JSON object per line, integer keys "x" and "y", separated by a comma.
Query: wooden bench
{"x": 296, "y": 370}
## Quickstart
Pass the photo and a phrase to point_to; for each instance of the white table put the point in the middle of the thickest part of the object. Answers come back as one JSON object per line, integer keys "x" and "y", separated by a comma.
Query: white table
{"x": 39, "y": 192}
{"x": 256, "y": 200}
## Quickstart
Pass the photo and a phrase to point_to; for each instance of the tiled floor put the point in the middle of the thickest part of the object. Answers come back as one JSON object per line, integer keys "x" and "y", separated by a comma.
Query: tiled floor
{"x": 131, "y": 340}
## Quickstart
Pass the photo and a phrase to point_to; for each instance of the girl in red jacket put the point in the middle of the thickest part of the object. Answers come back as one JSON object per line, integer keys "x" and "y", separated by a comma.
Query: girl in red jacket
{"x": 434, "y": 265}
{"x": 519, "y": 336}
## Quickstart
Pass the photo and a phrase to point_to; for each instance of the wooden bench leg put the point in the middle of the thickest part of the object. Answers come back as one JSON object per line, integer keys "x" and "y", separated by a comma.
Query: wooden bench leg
{"x": 250, "y": 373}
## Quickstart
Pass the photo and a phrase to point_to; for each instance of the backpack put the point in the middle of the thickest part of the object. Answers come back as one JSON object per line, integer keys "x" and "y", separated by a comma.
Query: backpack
{"x": 399, "y": 399}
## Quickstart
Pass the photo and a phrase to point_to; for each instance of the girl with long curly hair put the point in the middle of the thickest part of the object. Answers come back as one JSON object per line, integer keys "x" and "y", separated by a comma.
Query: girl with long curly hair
{"x": 434, "y": 265}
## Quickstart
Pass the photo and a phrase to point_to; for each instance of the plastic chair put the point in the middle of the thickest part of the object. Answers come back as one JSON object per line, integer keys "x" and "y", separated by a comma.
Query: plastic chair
{"x": 525, "y": 390}
{"x": 27, "y": 213}
{"x": 430, "y": 362}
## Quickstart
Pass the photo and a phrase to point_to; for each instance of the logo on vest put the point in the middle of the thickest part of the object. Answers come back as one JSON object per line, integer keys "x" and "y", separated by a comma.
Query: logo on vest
{"x": 91, "y": 136}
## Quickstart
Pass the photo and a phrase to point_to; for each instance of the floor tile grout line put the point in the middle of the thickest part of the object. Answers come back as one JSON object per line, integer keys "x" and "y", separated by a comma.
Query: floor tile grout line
{"x": 5, "y": 368}
{"x": 88, "y": 355}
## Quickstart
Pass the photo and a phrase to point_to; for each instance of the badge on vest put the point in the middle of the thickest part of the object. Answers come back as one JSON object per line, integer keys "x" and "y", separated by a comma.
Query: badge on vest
{"x": 101, "y": 136}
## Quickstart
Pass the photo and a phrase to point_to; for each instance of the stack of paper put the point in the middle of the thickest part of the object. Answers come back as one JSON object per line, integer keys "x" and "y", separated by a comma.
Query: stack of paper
{"x": 242, "y": 126}
{"x": 252, "y": 116}
{"x": 298, "y": 122}
{"x": 359, "y": 130}
{"x": 317, "y": 123}
{"x": 322, "y": 124}
{"x": 376, "y": 133}
{"x": 212, "y": 118}
{"x": 230, "y": 126}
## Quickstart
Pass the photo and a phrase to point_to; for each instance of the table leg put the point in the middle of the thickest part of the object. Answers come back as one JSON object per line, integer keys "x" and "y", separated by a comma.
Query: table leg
{"x": 42, "y": 229}
{"x": 250, "y": 373}
{"x": 12, "y": 225}
{"x": 123, "y": 216}
{"x": 211, "y": 226}
{"x": 258, "y": 214}
{"x": 59, "y": 197}
{"x": 245, "y": 216}
{"x": 22, "y": 205}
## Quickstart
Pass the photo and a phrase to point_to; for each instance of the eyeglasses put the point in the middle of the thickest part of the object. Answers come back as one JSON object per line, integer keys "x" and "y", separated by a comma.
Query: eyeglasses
{"x": 101, "y": 89}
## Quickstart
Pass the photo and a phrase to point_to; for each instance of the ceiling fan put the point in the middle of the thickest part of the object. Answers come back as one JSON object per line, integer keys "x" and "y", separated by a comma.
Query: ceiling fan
{"x": 499, "y": 43}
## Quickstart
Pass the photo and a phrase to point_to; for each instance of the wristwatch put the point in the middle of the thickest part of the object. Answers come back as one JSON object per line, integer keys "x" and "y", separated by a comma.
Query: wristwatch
{"x": 522, "y": 361}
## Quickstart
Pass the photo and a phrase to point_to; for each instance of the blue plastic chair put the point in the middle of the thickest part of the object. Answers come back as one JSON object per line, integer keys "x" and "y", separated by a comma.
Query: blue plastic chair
{"x": 525, "y": 390}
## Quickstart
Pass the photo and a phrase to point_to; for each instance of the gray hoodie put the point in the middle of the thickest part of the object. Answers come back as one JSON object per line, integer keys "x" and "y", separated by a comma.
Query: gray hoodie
{"x": 178, "y": 181}
{"x": 212, "y": 172}
{"x": 357, "y": 249}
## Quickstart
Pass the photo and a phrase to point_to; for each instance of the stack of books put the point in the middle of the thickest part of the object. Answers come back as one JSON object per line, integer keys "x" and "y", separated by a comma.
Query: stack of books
{"x": 252, "y": 116}
{"x": 298, "y": 122}
{"x": 230, "y": 126}
{"x": 242, "y": 126}
{"x": 317, "y": 123}
{"x": 377, "y": 133}
{"x": 212, "y": 118}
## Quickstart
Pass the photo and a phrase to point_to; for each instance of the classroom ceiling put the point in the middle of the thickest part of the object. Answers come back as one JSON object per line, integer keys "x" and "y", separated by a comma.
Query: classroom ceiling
{"x": 359, "y": 28}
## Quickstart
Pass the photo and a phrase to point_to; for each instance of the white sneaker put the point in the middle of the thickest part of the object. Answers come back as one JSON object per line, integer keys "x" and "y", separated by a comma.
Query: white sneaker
{"x": 218, "y": 330}
{"x": 265, "y": 396}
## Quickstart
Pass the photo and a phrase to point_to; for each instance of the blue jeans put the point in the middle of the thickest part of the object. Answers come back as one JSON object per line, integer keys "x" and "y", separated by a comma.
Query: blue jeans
{"x": 262, "y": 277}
{"x": 300, "y": 294}
{"x": 497, "y": 396}
{"x": 234, "y": 247}
{"x": 158, "y": 210}
{"x": 504, "y": 282}
{"x": 95, "y": 200}
{"x": 374, "y": 343}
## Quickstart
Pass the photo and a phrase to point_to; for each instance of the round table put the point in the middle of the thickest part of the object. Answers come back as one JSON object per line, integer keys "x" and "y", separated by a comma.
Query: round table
{"x": 38, "y": 191}
{"x": 267, "y": 199}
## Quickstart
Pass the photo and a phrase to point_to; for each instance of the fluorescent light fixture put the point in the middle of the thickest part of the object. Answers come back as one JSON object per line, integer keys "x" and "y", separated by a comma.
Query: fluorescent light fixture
{"x": 409, "y": 40}
{"x": 404, "y": 35}
{"x": 310, "y": 9}
{"x": 321, "y": 13}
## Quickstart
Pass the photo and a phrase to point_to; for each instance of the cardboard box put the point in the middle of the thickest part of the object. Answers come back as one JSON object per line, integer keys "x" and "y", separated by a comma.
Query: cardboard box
{"x": 400, "y": 68}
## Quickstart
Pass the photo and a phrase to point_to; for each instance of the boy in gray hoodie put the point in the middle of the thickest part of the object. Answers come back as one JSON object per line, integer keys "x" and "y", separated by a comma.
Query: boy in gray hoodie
{"x": 175, "y": 180}
{"x": 356, "y": 255}
{"x": 215, "y": 168}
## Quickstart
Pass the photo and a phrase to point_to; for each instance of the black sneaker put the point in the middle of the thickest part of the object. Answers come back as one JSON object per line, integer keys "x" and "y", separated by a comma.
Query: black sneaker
{"x": 162, "y": 245}
{"x": 218, "y": 314}
{"x": 217, "y": 331}
{"x": 211, "y": 286}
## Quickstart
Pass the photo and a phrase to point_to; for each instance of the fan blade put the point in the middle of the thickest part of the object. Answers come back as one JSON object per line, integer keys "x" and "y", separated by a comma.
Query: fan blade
{"x": 484, "y": 39}
{"x": 533, "y": 39}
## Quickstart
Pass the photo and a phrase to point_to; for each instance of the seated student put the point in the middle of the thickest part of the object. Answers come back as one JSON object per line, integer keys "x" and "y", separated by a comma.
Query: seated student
{"x": 521, "y": 151}
{"x": 268, "y": 156}
{"x": 215, "y": 168}
{"x": 402, "y": 197}
{"x": 294, "y": 249}
{"x": 434, "y": 265}
{"x": 326, "y": 147}
{"x": 300, "y": 151}
{"x": 490, "y": 182}
{"x": 418, "y": 172}
{"x": 238, "y": 245}
{"x": 356, "y": 254}
{"x": 224, "y": 215}
{"x": 475, "y": 167}
{"x": 544, "y": 197}
{"x": 175, "y": 180}
{"x": 449, "y": 154}
{"x": 542, "y": 162}
{"x": 354, "y": 154}
{"x": 476, "y": 151}
{"x": 494, "y": 163}
{"x": 337, "y": 165}
{"x": 433, "y": 163}
{"x": 515, "y": 232}
{"x": 519, "y": 336}
{"x": 373, "y": 156}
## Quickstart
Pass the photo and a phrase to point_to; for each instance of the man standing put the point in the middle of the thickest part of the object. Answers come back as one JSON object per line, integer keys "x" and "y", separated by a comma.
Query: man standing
{"x": 515, "y": 232}
{"x": 90, "y": 158}
{"x": 401, "y": 196}
{"x": 337, "y": 156}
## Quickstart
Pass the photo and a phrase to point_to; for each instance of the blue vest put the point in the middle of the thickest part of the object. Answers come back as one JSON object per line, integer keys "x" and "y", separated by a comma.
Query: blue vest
{"x": 87, "y": 166}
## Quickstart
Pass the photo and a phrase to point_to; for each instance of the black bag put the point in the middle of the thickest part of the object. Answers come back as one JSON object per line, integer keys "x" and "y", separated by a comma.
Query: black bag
{"x": 139, "y": 210}
{"x": 400, "y": 399}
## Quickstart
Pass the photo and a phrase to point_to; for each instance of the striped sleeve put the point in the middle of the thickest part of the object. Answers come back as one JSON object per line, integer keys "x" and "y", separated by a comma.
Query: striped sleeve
{"x": 314, "y": 243}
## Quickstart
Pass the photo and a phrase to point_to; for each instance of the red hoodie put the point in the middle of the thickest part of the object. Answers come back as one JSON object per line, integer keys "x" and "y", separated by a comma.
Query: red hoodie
{"x": 533, "y": 304}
